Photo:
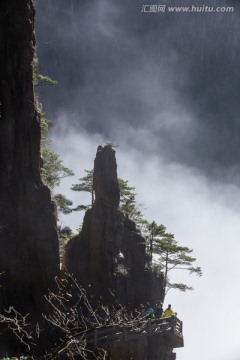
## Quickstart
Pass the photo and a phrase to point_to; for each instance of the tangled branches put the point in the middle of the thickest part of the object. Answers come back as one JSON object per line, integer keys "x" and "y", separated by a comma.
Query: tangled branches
{"x": 70, "y": 324}
{"x": 18, "y": 325}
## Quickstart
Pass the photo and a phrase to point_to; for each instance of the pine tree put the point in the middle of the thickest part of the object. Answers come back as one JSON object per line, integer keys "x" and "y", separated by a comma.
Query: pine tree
{"x": 38, "y": 78}
{"x": 172, "y": 256}
{"x": 52, "y": 168}
{"x": 128, "y": 204}
{"x": 86, "y": 184}
{"x": 152, "y": 234}
{"x": 63, "y": 203}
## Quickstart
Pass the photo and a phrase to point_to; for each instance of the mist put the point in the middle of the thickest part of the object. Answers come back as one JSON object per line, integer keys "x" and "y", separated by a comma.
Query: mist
{"x": 118, "y": 66}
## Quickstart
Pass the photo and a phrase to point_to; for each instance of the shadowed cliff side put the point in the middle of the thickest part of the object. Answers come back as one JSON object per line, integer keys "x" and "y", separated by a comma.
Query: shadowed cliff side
{"x": 110, "y": 254}
{"x": 28, "y": 237}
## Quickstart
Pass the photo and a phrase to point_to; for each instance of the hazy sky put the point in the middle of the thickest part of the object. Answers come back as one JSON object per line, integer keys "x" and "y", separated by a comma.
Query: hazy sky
{"x": 165, "y": 87}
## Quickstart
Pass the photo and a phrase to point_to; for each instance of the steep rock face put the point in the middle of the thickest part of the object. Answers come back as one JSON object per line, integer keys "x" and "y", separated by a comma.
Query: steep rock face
{"x": 110, "y": 254}
{"x": 28, "y": 237}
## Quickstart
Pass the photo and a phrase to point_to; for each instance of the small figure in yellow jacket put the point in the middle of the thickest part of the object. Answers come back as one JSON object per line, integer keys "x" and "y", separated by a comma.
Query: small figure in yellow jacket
{"x": 168, "y": 312}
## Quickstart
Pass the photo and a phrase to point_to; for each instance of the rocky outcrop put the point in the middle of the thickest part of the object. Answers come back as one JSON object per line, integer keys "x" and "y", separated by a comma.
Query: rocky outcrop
{"x": 110, "y": 254}
{"x": 28, "y": 237}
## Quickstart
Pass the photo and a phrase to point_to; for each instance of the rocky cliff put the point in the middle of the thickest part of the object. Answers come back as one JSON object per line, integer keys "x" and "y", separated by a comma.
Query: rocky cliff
{"x": 28, "y": 237}
{"x": 110, "y": 254}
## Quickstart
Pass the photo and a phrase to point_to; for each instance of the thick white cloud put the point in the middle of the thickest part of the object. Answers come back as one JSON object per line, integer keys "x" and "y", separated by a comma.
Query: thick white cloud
{"x": 202, "y": 214}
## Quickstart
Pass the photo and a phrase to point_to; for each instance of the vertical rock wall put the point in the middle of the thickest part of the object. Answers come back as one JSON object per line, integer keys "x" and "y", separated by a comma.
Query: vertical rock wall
{"x": 28, "y": 237}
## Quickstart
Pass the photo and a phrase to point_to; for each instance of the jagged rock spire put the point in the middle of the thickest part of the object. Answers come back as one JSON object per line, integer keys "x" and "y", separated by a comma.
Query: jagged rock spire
{"x": 105, "y": 181}
{"x": 109, "y": 256}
